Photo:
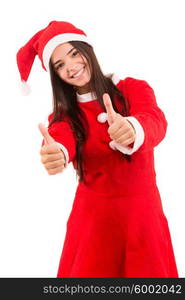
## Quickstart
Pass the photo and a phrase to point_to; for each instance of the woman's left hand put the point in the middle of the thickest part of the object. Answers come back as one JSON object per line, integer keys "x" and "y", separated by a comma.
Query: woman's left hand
{"x": 120, "y": 129}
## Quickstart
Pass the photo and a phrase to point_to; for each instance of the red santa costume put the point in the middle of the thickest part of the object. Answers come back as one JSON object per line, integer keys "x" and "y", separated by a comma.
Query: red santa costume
{"x": 117, "y": 227}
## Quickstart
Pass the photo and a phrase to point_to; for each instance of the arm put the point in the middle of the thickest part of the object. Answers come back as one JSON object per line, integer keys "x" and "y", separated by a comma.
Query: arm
{"x": 146, "y": 117}
{"x": 63, "y": 135}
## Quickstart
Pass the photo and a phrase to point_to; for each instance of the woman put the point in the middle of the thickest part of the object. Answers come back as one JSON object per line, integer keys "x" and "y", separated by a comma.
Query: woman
{"x": 108, "y": 129}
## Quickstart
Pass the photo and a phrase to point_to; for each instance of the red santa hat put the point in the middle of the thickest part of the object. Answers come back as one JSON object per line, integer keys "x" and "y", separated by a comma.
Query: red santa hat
{"x": 43, "y": 44}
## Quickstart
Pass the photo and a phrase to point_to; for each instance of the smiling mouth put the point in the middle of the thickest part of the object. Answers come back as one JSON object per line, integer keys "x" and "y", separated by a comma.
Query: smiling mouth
{"x": 78, "y": 74}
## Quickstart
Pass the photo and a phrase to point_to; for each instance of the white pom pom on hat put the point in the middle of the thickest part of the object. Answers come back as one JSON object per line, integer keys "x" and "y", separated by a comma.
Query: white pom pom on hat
{"x": 43, "y": 44}
{"x": 25, "y": 88}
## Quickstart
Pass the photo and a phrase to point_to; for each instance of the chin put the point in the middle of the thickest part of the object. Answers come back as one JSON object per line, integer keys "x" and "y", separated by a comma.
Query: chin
{"x": 83, "y": 82}
{"x": 81, "y": 85}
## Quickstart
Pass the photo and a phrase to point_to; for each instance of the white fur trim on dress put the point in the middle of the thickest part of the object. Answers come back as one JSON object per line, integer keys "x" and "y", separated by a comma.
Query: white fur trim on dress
{"x": 60, "y": 39}
{"x": 138, "y": 141}
{"x": 86, "y": 97}
{"x": 102, "y": 117}
{"x": 115, "y": 79}
{"x": 92, "y": 96}
{"x": 66, "y": 154}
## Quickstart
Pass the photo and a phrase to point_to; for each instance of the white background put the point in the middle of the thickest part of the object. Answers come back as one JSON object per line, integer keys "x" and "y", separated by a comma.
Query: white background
{"x": 142, "y": 39}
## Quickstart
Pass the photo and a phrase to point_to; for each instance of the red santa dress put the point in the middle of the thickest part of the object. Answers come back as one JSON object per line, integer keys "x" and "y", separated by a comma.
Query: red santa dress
{"x": 117, "y": 227}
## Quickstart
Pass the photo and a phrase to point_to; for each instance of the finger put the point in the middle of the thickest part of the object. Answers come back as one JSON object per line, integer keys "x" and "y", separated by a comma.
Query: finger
{"x": 118, "y": 133}
{"x": 111, "y": 114}
{"x": 44, "y": 131}
{"x": 125, "y": 142}
{"x": 55, "y": 164}
{"x": 52, "y": 157}
{"x": 120, "y": 122}
{"x": 122, "y": 138}
{"x": 50, "y": 149}
{"x": 55, "y": 170}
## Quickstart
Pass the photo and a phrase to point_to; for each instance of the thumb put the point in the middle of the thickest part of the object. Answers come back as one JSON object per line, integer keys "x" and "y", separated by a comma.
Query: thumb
{"x": 44, "y": 131}
{"x": 111, "y": 114}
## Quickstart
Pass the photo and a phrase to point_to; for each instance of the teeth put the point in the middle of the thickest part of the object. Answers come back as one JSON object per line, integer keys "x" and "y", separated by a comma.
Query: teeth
{"x": 77, "y": 74}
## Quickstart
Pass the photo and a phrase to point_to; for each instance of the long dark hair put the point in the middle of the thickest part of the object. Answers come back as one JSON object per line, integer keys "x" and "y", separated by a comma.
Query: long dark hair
{"x": 65, "y": 100}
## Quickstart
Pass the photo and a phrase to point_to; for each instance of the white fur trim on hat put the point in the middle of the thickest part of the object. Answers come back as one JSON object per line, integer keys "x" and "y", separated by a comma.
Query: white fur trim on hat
{"x": 56, "y": 41}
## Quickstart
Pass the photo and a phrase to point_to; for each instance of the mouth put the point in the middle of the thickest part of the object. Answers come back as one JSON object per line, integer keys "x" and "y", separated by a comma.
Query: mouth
{"x": 78, "y": 74}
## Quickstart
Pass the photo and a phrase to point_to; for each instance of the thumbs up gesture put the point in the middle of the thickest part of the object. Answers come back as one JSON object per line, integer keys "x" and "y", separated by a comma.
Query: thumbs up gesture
{"x": 52, "y": 156}
{"x": 120, "y": 129}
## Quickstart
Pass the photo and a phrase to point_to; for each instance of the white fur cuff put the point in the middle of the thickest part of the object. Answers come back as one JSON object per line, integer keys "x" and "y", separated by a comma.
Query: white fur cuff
{"x": 66, "y": 154}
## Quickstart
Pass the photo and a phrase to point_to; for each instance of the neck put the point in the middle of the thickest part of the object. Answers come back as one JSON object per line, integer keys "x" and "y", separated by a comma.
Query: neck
{"x": 83, "y": 89}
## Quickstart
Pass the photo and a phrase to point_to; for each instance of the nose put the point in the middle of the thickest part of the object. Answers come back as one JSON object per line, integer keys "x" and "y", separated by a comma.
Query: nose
{"x": 71, "y": 68}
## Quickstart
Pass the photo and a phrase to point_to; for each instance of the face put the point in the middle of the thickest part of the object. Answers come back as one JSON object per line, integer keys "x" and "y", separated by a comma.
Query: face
{"x": 72, "y": 67}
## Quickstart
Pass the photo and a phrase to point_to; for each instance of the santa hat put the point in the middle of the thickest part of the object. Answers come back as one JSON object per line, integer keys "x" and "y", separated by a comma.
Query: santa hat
{"x": 43, "y": 44}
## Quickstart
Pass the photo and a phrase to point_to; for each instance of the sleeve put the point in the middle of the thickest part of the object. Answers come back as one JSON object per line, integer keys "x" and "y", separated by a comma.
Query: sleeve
{"x": 147, "y": 118}
{"x": 63, "y": 134}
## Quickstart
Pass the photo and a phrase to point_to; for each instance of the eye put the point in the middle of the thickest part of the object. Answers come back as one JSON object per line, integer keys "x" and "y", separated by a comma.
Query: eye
{"x": 59, "y": 66}
{"x": 75, "y": 53}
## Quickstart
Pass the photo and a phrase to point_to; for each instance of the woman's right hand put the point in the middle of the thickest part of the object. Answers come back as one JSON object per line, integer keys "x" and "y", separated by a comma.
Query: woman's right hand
{"x": 52, "y": 156}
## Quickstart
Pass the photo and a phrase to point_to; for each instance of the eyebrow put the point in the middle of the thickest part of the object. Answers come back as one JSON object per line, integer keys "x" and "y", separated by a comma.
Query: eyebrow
{"x": 66, "y": 54}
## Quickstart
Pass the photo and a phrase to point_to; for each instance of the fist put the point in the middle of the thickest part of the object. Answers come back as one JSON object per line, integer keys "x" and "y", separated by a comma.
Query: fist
{"x": 120, "y": 129}
{"x": 52, "y": 156}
